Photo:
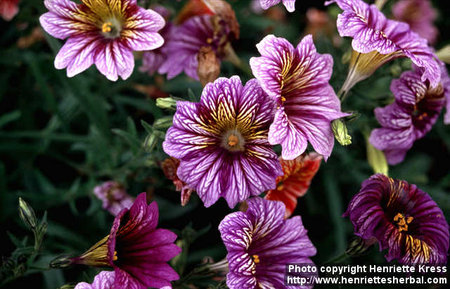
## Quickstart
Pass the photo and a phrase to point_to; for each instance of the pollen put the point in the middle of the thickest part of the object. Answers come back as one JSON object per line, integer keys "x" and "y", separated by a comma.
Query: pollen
{"x": 256, "y": 259}
{"x": 107, "y": 27}
{"x": 402, "y": 222}
{"x": 233, "y": 140}
{"x": 115, "y": 256}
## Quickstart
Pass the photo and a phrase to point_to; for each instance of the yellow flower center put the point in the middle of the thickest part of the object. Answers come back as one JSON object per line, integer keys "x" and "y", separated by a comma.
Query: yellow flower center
{"x": 106, "y": 27}
{"x": 256, "y": 259}
{"x": 402, "y": 222}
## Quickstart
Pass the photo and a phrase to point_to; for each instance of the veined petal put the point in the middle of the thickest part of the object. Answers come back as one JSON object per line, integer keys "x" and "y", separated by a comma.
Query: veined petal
{"x": 115, "y": 59}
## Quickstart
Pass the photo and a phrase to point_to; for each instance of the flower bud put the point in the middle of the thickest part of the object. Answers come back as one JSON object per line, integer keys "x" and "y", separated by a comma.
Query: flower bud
{"x": 444, "y": 54}
{"x": 376, "y": 159}
{"x": 166, "y": 103}
{"x": 27, "y": 214}
{"x": 163, "y": 122}
{"x": 340, "y": 132}
{"x": 359, "y": 246}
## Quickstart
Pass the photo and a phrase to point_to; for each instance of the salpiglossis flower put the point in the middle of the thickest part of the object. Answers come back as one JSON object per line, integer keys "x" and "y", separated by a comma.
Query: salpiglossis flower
{"x": 135, "y": 249}
{"x": 404, "y": 220}
{"x": 222, "y": 144}
{"x": 416, "y": 108}
{"x": 298, "y": 80}
{"x": 294, "y": 183}
{"x": 260, "y": 242}
{"x": 101, "y": 32}
{"x": 377, "y": 40}
{"x": 289, "y": 4}
{"x": 9, "y": 9}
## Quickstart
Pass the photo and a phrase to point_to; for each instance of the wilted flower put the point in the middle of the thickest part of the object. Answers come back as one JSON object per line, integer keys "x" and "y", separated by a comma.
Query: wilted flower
{"x": 186, "y": 41}
{"x": 113, "y": 196}
{"x": 297, "y": 78}
{"x": 415, "y": 110}
{"x": 9, "y": 9}
{"x": 404, "y": 220}
{"x": 419, "y": 14}
{"x": 289, "y": 4}
{"x": 260, "y": 242}
{"x": 222, "y": 144}
{"x": 298, "y": 174}
{"x": 377, "y": 40}
{"x": 103, "y": 280}
{"x": 136, "y": 249}
{"x": 104, "y": 33}
{"x": 170, "y": 168}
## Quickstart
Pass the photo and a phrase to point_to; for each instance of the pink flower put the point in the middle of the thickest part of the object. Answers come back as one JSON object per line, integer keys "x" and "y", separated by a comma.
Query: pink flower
{"x": 104, "y": 33}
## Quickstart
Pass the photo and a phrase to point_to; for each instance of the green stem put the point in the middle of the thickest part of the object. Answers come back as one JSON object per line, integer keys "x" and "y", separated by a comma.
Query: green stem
{"x": 338, "y": 259}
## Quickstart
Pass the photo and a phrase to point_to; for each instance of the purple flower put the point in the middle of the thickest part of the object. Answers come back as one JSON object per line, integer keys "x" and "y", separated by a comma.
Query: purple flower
{"x": 260, "y": 242}
{"x": 103, "y": 280}
{"x": 104, "y": 33}
{"x": 404, "y": 220}
{"x": 222, "y": 144}
{"x": 419, "y": 14}
{"x": 152, "y": 60}
{"x": 185, "y": 42}
{"x": 136, "y": 249}
{"x": 289, "y": 4}
{"x": 114, "y": 197}
{"x": 297, "y": 78}
{"x": 415, "y": 110}
{"x": 377, "y": 40}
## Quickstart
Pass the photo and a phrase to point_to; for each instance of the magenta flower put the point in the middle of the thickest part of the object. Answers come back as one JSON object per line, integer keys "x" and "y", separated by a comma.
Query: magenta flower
{"x": 114, "y": 197}
{"x": 289, "y": 4}
{"x": 404, "y": 220}
{"x": 104, "y": 33}
{"x": 419, "y": 14}
{"x": 415, "y": 110}
{"x": 222, "y": 144}
{"x": 135, "y": 249}
{"x": 378, "y": 40}
{"x": 185, "y": 42}
{"x": 260, "y": 242}
{"x": 103, "y": 280}
{"x": 297, "y": 79}
{"x": 9, "y": 9}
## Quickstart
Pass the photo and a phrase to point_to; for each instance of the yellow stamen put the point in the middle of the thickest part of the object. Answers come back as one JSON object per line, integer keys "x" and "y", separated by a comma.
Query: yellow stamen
{"x": 402, "y": 223}
{"x": 255, "y": 259}
{"x": 233, "y": 140}
{"x": 106, "y": 27}
{"x": 283, "y": 99}
{"x": 115, "y": 256}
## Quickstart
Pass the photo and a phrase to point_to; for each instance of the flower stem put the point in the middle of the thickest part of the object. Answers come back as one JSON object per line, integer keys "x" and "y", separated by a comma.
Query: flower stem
{"x": 338, "y": 259}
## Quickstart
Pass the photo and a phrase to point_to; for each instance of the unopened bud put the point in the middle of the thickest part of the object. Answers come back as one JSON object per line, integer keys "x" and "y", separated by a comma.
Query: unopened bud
{"x": 444, "y": 54}
{"x": 61, "y": 262}
{"x": 27, "y": 214}
{"x": 166, "y": 103}
{"x": 359, "y": 246}
{"x": 152, "y": 140}
{"x": 376, "y": 159}
{"x": 163, "y": 122}
{"x": 340, "y": 132}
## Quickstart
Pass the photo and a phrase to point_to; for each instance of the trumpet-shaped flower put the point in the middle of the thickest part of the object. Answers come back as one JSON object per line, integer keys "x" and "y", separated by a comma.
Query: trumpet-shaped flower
{"x": 415, "y": 110}
{"x": 101, "y": 32}
{"x": 297, "y": 78}
{"x": 377, "y": 40}
{"x": 260, "y": 243}
{"x": 135, "y": 249}
{"x": 294, "y": 183}
{"x": 222, "y": 144}
{"x": 404, "y": 220}
{"x": 103, "y": 280}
